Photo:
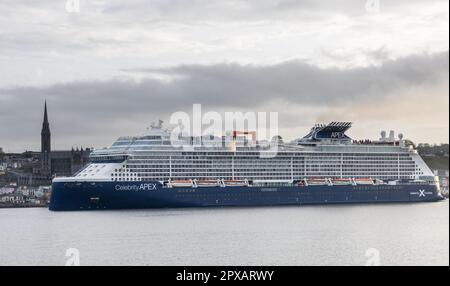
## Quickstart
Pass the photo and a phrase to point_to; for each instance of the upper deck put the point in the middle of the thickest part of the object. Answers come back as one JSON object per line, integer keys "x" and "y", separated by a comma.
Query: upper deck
{"x": 329, "y": 138}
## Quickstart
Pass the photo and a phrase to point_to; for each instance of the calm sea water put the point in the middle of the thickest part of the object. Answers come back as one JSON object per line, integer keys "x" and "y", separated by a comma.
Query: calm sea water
{"x": 391, "y": 234}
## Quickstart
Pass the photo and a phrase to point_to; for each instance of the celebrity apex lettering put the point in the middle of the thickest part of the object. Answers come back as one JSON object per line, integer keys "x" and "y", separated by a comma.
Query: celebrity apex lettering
{"x": 140, "y": 187}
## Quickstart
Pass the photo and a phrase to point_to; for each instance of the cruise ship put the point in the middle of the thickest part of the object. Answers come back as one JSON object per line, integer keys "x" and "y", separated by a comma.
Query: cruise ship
{"x": 324, "y": 167}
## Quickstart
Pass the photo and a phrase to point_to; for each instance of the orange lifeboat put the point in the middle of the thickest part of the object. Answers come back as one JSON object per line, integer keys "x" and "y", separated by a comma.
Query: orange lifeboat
{"x": 181, "y": 183}
{"x": 341, "y": 181}
{"x": 363, "y": 181}
{"x": 207, "y": 183}
{"x": 235, "y": 183}
{"x": 316, "y": 181}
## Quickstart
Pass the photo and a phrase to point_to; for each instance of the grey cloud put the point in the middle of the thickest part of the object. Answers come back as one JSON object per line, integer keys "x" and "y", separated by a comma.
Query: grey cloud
{"x": 243, "y": 85}
{"x": 248, "y": 85}
{"x": 85, "y": 109}
{"x": 176, "y": 31}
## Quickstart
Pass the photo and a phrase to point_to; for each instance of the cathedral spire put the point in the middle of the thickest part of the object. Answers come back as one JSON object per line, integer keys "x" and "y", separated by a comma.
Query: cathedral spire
{"x": 45, "y": 144}
{"x": 45, "y": 132}
{"x": 45, "y": 114}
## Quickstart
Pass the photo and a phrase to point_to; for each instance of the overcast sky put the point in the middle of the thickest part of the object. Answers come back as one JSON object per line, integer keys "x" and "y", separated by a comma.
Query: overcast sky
{"x": 110, "y": 68}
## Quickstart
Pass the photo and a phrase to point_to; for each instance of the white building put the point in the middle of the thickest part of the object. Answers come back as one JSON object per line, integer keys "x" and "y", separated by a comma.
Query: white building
{"x": 13, "y": 198}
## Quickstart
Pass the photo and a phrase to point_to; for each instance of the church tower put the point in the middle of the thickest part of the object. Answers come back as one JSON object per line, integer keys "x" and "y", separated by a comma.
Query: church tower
{"x": 45, "y": 145}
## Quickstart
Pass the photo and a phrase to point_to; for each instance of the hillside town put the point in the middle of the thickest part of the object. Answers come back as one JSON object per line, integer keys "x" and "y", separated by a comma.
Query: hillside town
{"x": 25, "y": 178}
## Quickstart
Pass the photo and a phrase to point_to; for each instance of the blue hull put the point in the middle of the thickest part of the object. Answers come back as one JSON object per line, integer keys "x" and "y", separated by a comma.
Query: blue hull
{"x": 137, "y": 195}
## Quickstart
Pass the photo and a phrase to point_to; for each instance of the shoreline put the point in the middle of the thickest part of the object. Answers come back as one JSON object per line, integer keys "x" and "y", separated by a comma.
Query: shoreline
{"x": 12, "y": 206}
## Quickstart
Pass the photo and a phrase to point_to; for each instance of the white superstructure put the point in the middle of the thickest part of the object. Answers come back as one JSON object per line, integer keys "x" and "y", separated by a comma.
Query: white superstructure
{"x": 326, "y": 152}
